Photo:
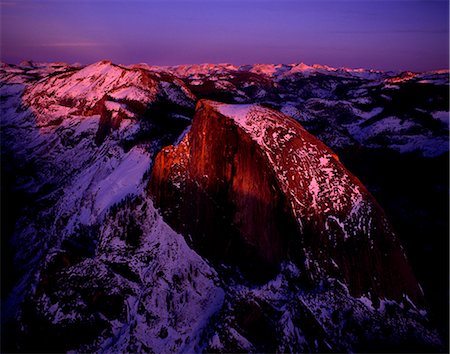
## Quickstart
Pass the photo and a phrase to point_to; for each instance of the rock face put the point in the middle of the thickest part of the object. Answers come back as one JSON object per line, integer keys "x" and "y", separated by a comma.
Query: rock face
{"x": 90, "y": 265}
{"x": 251, "y": 186}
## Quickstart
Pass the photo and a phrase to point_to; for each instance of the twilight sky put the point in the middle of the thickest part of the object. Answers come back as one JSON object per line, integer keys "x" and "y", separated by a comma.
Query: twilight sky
{"x": 407, "y": 34}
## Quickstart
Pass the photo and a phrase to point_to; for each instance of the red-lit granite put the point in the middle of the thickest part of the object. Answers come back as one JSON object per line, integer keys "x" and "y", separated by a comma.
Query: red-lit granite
{"x": 251, "y": 186}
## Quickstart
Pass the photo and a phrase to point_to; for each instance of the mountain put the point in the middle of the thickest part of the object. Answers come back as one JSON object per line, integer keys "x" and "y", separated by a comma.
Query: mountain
{"x": 90, "y": 264}
{"x": 273, "y": 192}
{"x": 343, "y": 107}
{"x": 74, "y": 144}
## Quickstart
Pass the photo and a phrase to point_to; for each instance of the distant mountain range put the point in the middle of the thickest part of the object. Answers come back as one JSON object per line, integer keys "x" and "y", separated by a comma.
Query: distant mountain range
{"x": 260, "y": 208}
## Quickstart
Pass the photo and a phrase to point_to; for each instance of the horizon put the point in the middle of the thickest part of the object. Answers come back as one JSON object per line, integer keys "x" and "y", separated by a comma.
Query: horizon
{"x": 407, "y": 35}
{"x": 18, "y": 63}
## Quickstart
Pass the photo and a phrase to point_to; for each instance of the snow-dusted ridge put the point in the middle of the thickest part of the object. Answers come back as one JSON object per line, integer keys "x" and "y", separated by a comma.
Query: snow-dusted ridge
{"x": 101, "y": 271}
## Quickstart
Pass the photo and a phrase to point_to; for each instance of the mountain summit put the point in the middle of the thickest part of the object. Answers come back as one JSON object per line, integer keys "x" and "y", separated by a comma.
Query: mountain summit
{"x": 251, "y": 186}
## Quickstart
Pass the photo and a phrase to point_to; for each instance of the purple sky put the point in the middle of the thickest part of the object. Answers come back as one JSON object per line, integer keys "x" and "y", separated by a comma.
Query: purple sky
{"x": 407, "y": 34}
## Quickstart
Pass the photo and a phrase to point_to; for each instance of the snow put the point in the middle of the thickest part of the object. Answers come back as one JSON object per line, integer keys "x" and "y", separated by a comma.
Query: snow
{"x": 303, "y": 68}
{"x": 224, "y": 85}
{"x": 10, "y": 90}
{"x": 87, "y": 86}
{"x": 239, "y": 112}
{"x": 92, "y": 178}
{"x": 392, "y": 87}
{"x": 437, "y": 77}
{"x": 403, "y": 135}
{"x": 132, "y": 94}
{"x": 182, "y": 135}
{"x": 215, "y": 342}
{"x": 366, "y": 301}
{"x": 328, "y": 189}
{"x": 314, "y": 189}
{"x": 113, "y": 106}
{"x": 388, "y": 124}
{"x": 241, "y": 340}
{"x": 362, "y": 100}
{"x": 196, "y": 71}
{"x": 367, "y": 115}
{"x": 340, "y": 224}
{"x": 291, "y": 110}
{"x": 270, "y": 70}
{"x": 428, "y": 145}
{"x": 183, "y": 307}
{"x": 386, "y": 303}
{"x": 443, "y": 116}
{"x": 273, "y": 71}
{"x": 324, "y": 161}
{"x": 123, "y": 180}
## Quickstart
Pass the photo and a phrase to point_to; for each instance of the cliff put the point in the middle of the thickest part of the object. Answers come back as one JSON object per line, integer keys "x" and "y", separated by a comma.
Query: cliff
{"x": 251, "y": 187}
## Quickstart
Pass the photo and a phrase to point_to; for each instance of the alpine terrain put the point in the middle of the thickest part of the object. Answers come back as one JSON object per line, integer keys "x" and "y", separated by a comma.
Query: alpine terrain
{"x": 222, "y": 208}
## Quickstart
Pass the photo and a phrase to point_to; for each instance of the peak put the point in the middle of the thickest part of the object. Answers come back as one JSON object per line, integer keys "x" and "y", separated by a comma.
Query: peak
{"x": 104, "y": 62}
{"x": 324, "y": 67}
{"x": 301, "y": 67}
{"x": 238, "y": 112}
{"x": 27, "y": 63}
{"x": 255, "y": 120}
{"x": 256, "y": 161}
{"x": 99, "y": 68}
{"x": 234, "y": 111}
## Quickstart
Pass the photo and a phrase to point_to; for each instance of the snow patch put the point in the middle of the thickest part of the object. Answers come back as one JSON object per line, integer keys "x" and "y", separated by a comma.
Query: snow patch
{"x": 125, "y": 179}
{"x": 443, "y": 116}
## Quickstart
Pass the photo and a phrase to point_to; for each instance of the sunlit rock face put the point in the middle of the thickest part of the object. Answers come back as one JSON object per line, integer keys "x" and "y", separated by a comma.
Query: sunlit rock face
{"x": 90, "y": 263}
{"x": 251, "y": 186}
{"x": 210, "y": 187}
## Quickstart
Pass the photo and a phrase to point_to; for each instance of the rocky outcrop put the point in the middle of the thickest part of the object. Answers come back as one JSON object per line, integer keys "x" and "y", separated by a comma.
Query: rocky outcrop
{"x": 250, "y": 186}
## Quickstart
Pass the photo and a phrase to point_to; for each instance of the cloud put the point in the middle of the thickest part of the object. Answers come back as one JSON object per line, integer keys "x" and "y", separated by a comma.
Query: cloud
{"x": 72, "y": 44}
{"x": 391, "y": 31}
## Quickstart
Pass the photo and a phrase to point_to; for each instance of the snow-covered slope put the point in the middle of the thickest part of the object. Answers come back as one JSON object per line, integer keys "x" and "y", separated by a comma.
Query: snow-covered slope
{"x": 139, "y": 289}
{"x": 50, "y": 125}
{"x": 95, "y": 267}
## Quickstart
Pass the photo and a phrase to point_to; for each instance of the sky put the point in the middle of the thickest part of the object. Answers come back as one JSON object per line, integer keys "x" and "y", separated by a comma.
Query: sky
{"x": 376, "y": 34}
